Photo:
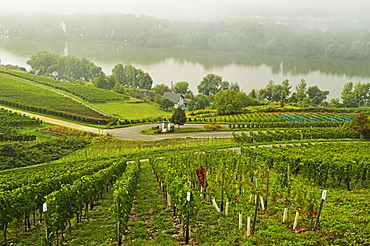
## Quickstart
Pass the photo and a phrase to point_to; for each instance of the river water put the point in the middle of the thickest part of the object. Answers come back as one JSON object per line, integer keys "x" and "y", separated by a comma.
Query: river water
{"x": 180, "y": 64}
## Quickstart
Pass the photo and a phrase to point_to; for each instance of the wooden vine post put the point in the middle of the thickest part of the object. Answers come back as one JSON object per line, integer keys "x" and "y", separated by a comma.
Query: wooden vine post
{"x": 323, "y": 197}
{"x": 255, "y": 214}
{"x": 222, "y": 191}
{"x": 267, "y": 185}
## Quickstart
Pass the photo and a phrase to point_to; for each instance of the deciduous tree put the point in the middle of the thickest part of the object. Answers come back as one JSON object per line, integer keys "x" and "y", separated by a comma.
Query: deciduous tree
{"x": 228, "y": 102}
{"x": 181, "y": 87}
{"x": 198, "y": 102}
{"x": 361, "y": 124}
{"x": 210, "y": 84}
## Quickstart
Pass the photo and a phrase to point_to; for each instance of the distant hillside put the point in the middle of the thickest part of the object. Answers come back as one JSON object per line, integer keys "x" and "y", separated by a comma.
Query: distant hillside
{"x": 273, "y": 38}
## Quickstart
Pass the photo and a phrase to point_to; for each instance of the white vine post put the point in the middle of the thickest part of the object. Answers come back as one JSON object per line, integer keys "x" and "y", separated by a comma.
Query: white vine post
{"x": 295, "y": 220}
{"x": 323, "y": 197}
{"x": 188, "y": 196}
{"x": 215, "y": 205}
{"x": 240, "y": 221}
{"x": 248, "y": 226}
{"x": 45, "y": 211}
{"x": 285, "y": 214}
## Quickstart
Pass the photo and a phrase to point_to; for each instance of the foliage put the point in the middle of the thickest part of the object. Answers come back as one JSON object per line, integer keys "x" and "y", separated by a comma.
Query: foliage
{"x": 62, "y": 67}
{"x": 355, "y": 95}
{"x": 164, "y": 103}
{"x": 212, "y": 127}
{"x": 210, "y": 84}
{"x": 123, "y": 195}
{"x": 129, "y": 76}
{"x": 227, "y": 102}
{"x": 361, "y": 125}
{"x": 181, "y": 87}
{"x": 272, "y": 135}
{"x": 198, "y": 102}
{"x": 316, "y": 94}
{"x": 178, "y": 117}
{"x": 19, "y": 155}
{"x": 161, "y": 89}
{"x": 104, "y": 82}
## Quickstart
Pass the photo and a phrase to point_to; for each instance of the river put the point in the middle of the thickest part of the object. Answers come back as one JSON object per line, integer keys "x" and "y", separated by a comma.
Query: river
{"x": 181, "y": 64}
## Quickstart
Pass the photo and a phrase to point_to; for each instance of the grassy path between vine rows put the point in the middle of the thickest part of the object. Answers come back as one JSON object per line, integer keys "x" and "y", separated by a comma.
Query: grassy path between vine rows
{"x": 150, "y": 222}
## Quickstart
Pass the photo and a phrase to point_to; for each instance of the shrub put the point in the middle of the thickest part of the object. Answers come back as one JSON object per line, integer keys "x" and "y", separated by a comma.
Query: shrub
{"x": 212, "y": 127}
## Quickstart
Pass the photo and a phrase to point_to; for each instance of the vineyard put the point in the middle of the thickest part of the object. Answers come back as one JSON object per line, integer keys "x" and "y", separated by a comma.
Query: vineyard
{"x": 32, "y": 98}
{"x": 87, "y": 189}
{"x": 10, "y": 122}
{"x": 273, "y": 120}
{"x": 255, "y": 196}
{"x": 272, "y": 135}
{"x": 87, "y": 93}
{"x": 267, "y": 196}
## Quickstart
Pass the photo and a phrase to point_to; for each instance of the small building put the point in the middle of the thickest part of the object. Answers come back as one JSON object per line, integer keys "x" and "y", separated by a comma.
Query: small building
{"x": 166, "y": 127}
{"x": 177, "y": 99}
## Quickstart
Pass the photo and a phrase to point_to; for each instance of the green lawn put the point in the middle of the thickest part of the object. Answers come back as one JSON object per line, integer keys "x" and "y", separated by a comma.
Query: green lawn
{"x": 126, "y": 110}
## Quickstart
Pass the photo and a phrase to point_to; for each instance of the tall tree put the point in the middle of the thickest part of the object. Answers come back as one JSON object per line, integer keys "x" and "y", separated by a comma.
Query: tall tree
{"x": 104, "y": 82}
{"x": 178, "y": 117}
{"x": 130, "y": 76}
{"x": 198, "y": 102}
{"x": 228, "y": 102}
{"x": 210, "y": 84}
{"x": 301, "y": 87}
{"x": 316, "y": 94}
{"x": 362, "y": 93}
{"x": 161, "y": 88}
{"x": 361, "y": 124}
{"x": 348, "y": 95}
{"x": 286, "y": 87}
{"x": 165, "y": 103}
{"x": 181, "y": 87}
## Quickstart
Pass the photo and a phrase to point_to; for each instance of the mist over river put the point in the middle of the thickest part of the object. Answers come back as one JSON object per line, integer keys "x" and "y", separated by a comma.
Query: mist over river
{"x": 164, "y": 65}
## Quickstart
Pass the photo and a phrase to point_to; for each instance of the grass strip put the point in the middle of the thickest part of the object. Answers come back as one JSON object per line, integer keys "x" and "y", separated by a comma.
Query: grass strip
{"x": 150, "y": 222}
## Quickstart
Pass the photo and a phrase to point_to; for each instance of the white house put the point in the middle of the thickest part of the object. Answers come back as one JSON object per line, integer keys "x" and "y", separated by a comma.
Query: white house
{"x": 177, "y": 99}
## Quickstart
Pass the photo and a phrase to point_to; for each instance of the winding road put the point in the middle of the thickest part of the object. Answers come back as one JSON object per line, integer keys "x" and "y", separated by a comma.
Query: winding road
{"x": 129, "y": 133}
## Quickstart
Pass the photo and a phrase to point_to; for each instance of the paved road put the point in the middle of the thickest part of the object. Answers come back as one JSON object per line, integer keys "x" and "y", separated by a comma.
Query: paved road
{"x": 132, "y": 133}
{"x": 129, "y": 133}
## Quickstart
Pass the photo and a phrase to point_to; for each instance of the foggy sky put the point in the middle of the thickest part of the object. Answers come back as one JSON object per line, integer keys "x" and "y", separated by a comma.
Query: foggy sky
{"x": 196, "y": 9}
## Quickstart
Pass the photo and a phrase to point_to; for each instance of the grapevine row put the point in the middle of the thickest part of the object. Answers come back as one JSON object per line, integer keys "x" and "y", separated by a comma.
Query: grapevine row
{"x": 123, "y": 195}
{"x": 88, "y": 93}
{"x": 71, "y": 199}
{"x": 27, "y": 199}
{"x": 287, "y": 135}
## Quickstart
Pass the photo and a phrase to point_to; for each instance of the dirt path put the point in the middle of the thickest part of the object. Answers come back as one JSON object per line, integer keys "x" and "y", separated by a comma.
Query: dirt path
{"x": 58, "y": 122}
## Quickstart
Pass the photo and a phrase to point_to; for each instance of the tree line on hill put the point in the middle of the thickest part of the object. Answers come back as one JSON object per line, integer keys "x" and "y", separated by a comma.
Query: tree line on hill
{"x": 225, "y": 96}
{"x": 232, "y": 35}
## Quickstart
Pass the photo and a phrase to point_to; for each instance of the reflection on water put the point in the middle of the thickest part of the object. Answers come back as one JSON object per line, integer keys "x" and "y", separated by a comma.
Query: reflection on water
{"x": 181, "y": 64}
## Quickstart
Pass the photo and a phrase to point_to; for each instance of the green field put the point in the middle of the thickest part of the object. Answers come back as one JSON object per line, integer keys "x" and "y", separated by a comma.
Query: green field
{"x": 126, "y": 110}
